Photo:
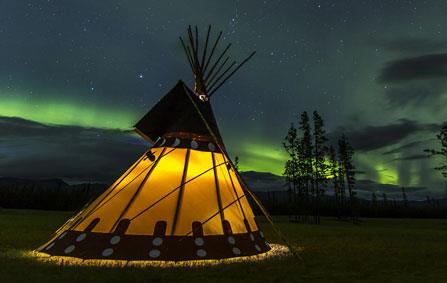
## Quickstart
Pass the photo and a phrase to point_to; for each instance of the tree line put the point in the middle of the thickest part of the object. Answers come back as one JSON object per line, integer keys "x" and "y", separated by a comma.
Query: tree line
{"x": 60, "y": 196}
{"x": 377, "y": 206}
{"x": 313, "y": 167}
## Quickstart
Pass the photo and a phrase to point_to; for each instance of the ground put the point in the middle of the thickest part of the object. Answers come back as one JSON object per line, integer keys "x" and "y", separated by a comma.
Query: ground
{"x": 377, "y": 250}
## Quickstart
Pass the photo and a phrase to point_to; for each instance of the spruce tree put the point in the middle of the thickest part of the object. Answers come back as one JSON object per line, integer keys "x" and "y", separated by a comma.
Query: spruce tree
{"x": 346, "y": 155}
{"x": 319, "y": 157}
{"x": 306, "y": 162}
{"x": 404, "y": 197}
{"x": 333, "y": 171}
{"x": 291, "y": 170}
{"x": 236, "y": 163}
{"x": 442, "y": 137}
{"x": 385, "y": 200}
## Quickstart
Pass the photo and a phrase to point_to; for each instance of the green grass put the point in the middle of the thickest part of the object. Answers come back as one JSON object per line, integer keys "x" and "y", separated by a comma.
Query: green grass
{"x": 377, "y": 250}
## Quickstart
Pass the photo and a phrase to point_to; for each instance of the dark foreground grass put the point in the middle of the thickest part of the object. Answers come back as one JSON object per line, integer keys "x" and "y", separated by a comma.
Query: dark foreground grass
{"x": 377, "y": 250}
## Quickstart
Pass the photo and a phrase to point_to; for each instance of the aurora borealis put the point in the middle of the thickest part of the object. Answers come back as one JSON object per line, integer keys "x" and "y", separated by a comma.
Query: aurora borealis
{"x": 78, "y": 74}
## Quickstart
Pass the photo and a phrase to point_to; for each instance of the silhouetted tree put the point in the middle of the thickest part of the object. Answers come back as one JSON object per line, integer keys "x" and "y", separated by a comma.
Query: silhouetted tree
{"x": 442, "y": 137}
{"x": 236, "y": 163}
{"x": 333, "y": 171}
{"x": 291, "y": 169}
{"x": 319, "y": 157}
{"x": 374, "y": 199}
{"x": 404, "y": 197}
{"x": 385, "y": 200}
{"x": 346, "y": 153}
{"x": 341, "y": 185}
{"x": 306, "y": 162}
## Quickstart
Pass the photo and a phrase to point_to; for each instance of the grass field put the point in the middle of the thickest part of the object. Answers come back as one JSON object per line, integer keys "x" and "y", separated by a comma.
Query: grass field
{"x": 377, "y": 250}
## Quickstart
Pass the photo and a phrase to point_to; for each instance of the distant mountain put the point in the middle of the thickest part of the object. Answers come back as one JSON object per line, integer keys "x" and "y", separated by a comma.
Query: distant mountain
{"x": 48, "y": 185}
{"x": 56, "y": 194}
{"x": 260, "y": 182}
{"x": 19, "y": 182}
{"x": 264, "y": 181}
{"x": 267, "y": 182}
{"x": 48, "y": 194}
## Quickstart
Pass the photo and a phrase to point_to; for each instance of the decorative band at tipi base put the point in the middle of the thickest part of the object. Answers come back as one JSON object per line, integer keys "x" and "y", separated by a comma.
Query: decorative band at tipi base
{"x": 276, "y": 251}
{"x": 142, "y": 247}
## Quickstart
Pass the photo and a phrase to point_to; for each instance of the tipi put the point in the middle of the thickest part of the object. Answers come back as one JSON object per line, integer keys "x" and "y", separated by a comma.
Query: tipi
{"x": 181, "y": 200}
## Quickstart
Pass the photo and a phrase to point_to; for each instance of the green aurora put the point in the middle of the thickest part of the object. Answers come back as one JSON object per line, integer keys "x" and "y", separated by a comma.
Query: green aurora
{"x": 254, "y": 156}
{"x": 66, "y": 113}
{"x": 103, "y": 65}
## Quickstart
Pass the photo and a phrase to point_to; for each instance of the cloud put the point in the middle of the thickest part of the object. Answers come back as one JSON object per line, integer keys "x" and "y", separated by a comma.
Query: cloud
{"x": 264, "y": 182}
{"x": 415, "y": 93}
{"x": 415, "y": 68}
{"x": 33, "y": 150}
{"x": 19, "y": 127}
{"x": 374, "y": 137}
{"x": 414, "y": 45}
{"x": 412, "y": 157}
{"x": 402, "y": 147}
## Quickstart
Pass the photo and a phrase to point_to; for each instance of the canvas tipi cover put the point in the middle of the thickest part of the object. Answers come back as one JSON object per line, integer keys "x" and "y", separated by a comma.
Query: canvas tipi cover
{"x": 181, "y": 200}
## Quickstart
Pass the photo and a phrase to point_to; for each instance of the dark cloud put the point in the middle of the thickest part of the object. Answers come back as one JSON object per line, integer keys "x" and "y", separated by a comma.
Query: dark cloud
{"x": 402, "y": 147}
{"x": 412, "y": 157}
{"x": 19, "y": 127}
{"x": 34, "y": 150}
{"x": 415, "y": 94}
{"x": 414, "y": 45}
{"x": 264, "y": 182}
{"x": 415, "y": 68}
{"x": 375, "y": 137}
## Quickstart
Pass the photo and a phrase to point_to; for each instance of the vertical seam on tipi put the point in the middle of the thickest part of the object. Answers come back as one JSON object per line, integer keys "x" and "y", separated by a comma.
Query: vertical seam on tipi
{"x": 253, "y": 196}
{"x": 102, "y": 203}
{"x": 237, "y": 195}
{"x": 171, "y": 192}
{"x": 218, "y": 212}
{"x": 138, "y": 190}
{"x": 111, "y": 189}
{"x": 219, "y": 198}
{"x": 180, "y": 193}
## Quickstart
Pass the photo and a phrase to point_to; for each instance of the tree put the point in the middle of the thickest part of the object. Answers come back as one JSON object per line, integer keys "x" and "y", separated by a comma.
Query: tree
{"x": 404, "y": 197}
{"x": 346, "y": 153}
{"x": 442, "y": 137}
{"x": 341, "y": 185}
{"x": 236, "y": 163}
{"x": 428, "y": 200}
{"x": 290, "y": 169}
{"x": 319, "y": 158}
{"x": 374, "y": 199}
{"x": 334, "y": 173}
{"x": 385, "y": 200}
{"x": 306, "y": 163}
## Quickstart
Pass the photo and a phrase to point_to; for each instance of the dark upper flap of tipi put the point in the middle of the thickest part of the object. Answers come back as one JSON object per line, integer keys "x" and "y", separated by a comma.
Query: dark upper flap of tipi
{"x": 176, "y": 116}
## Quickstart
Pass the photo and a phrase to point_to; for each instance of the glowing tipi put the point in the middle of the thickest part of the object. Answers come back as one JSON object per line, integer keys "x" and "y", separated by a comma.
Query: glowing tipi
{"x": 181, "y": 200}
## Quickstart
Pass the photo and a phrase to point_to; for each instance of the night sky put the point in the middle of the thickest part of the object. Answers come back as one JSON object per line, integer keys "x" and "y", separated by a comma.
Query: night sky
{"x": 76, "y": 75}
